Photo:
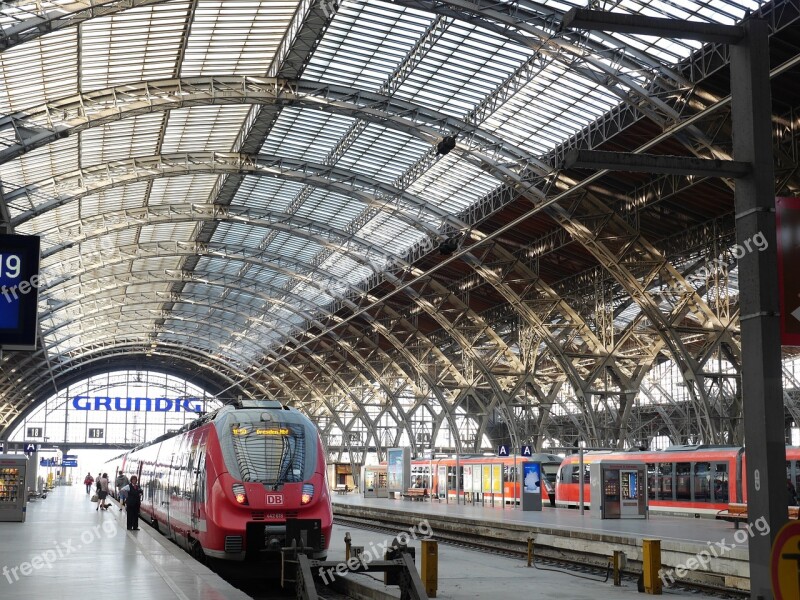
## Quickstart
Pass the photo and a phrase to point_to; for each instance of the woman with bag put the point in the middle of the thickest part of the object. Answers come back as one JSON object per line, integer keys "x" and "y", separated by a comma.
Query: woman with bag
{"x": 134, "y": 503}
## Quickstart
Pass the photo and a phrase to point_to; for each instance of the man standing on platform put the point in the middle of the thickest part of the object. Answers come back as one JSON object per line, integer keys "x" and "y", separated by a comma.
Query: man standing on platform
{"x": 122, "y": 488}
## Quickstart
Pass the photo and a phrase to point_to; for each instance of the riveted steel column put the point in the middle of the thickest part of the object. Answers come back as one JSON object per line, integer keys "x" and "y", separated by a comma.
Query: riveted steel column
{"x": 751, "y": 107}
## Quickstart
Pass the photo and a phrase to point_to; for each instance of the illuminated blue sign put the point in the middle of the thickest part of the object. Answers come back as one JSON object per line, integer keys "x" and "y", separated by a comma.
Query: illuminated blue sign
{"x": 137, "y": 404}
{"x": 532, "y": 477}
{"x": 19, "y": 291}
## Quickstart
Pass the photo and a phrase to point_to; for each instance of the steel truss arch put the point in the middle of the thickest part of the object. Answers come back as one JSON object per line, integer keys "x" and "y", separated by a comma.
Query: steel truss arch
{"x": 335, "y": 380}
{"x": 248, "y": 287}
{"x": 146, "y": 339}
{"x": 54, "y": 120}
{"x": 383, "y": 197}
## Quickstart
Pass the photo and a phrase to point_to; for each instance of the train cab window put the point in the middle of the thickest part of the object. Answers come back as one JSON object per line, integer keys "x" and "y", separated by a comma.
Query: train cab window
{"x": 665, "y": 481}
{"x": 683, "y": 481}
{"x": 702, "y": 482}
{"x": 574, "y": 475}
{"x": 271, "y": 453}
{"x": 566, "y": 474}
{"x": 721, "y": 482}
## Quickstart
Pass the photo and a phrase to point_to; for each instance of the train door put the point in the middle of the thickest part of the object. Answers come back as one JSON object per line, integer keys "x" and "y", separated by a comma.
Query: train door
{"x": 198, "y": 476}
{"x": 721, "y": 482}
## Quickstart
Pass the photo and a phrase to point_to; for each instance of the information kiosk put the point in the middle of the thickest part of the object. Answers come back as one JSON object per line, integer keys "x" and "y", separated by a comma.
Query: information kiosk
{"x": 620, "y": 488}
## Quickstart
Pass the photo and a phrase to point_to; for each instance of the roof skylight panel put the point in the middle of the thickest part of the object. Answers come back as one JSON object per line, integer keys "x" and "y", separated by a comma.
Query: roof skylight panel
{"x": 383, "y": 153}
{"x": 194, "y": 189}
{"x": 556, "y": 94}
{"x": 388, "y": 30}
{"x": 220, "y": 265}
{"x": 44, "y": 68}
{"x": 203, "y": 128}
{"x": 236, "y": 38}
{"x": 461, "y": 69}
{"x": 313, "y": 295}
{"x": 390, "y": 233}
{"x": 299, "y": 248}
{"x": 453, "y": 184}
{"x": 330, "y": 209}
{"x": 266, "y": 193}
{"x": 178, "y": 231}
{"x": 346, "y": 269}
{"x": 135, "y": 136}
{"x": 306, "y": 134}
{"x": 241, "y": 234}
{"x": 40, "y": 164}
{"x": 133, "y": 45}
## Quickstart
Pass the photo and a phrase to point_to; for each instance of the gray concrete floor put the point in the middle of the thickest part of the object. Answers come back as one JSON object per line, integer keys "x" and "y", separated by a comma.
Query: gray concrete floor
{"x": 84, "y": 554}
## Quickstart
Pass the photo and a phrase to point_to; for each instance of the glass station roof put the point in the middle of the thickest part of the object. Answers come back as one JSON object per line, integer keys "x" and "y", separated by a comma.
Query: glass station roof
{"x": 187, "y": 197}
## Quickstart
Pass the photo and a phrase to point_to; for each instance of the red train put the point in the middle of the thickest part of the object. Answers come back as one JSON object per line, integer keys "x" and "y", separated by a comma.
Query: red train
{"x": 238, "y": 483}
{"x": 697, "y": 480}
{"x": 479, "y": 475}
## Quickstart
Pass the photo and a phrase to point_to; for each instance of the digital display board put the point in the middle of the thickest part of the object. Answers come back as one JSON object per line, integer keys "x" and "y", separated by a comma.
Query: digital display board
{"x": 19, "y": 291}
{"x": 532, "y": 477}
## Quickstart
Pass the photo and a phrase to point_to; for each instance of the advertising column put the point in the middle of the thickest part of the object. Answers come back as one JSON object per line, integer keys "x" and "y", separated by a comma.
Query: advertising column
{"x": 531, "y": 486}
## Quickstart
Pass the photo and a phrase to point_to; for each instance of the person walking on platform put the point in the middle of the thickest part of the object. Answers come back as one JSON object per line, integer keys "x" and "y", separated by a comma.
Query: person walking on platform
{"x": 102, "y": 492}
{"x": 88, "y": 481}
{"x": 122, "y": 488}
{"x": 134, "y": 503}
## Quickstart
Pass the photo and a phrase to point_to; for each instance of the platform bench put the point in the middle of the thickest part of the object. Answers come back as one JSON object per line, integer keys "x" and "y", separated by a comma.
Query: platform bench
{"x": 738, "y": 512}
{"x": 342, "y": 489}
{"x": 415, "y": 494}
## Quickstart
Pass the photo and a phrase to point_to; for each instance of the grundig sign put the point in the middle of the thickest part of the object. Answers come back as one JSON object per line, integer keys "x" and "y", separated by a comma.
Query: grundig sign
{"x": 137, "y": 404}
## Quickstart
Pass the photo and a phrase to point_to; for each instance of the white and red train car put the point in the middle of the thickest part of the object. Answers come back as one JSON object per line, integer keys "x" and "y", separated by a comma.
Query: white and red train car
{"x": 234, "y": 484}
{"x": 693, "y": 480}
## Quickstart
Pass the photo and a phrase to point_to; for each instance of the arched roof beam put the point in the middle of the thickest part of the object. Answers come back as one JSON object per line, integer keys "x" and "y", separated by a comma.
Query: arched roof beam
{"x": 383, "y": 197}
{"x": 40, "y": 125}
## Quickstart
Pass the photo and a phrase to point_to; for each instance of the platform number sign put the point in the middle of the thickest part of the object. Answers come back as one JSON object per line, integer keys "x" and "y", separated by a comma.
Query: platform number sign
{"x": 526, "y": 451}
{"x": 96, "y": 433}
{"x": 502, "y": 450}
{"x": 30, "y": 448}
{"x": 35, "y": 432}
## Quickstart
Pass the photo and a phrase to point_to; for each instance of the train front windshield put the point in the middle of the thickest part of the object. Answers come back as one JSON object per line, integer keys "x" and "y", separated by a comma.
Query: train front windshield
{"x": 270, "y": 453}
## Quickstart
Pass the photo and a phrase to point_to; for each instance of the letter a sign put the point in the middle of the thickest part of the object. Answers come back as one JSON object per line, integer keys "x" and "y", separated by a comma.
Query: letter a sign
{"x": 502, "y": 451}
{"x": 525, "y": 451}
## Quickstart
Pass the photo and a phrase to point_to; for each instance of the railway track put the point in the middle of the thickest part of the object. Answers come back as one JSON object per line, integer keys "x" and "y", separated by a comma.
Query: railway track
{"x": 584, "y": 565}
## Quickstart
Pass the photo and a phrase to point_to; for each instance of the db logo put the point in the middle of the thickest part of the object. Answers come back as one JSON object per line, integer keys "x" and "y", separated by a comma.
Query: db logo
{"x": 273, "y": 499}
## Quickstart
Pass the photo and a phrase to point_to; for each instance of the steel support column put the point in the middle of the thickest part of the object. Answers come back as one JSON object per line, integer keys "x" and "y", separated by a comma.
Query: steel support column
{"x": 751, "y": 106}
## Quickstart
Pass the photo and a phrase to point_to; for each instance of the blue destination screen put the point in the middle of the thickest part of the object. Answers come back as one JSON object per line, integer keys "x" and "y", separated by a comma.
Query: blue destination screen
{"x": 10, "y": 276}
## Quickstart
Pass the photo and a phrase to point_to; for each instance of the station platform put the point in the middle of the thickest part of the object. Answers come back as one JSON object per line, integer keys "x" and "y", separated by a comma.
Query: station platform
{"x": 699, "y": 551}
{"x": 69, "y": 551}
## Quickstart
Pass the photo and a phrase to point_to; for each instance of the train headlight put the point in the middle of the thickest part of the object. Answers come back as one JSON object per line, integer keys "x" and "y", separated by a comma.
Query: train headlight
{"x": 239, "y": 493}
{"x": 308, "y": 493}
